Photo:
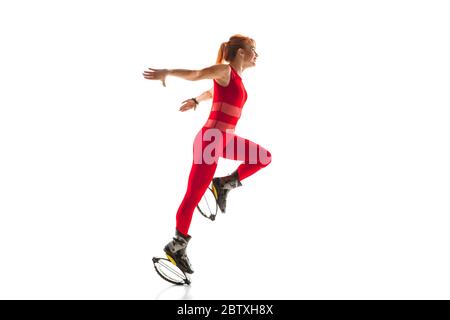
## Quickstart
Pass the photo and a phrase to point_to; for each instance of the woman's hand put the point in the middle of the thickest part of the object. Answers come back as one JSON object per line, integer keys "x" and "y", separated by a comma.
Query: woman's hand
{"x": 156, "y": 74}
{"x": 188, "y": 104}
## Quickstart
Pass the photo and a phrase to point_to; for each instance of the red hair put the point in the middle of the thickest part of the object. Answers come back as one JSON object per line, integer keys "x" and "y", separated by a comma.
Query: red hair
{"x": 228, "y": 50}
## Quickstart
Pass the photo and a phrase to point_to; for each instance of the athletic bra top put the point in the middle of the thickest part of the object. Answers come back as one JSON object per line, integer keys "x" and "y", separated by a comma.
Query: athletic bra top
{"x": 227, "y": 103}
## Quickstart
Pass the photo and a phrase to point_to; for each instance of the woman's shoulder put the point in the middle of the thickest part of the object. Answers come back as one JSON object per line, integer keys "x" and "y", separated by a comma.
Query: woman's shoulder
{"x": 217, "y": 71}
{"x": 225, "y": 79}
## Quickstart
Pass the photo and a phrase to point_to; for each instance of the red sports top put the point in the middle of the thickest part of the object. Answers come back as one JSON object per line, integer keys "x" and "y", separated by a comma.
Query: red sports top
{"x": 227, "y": 103}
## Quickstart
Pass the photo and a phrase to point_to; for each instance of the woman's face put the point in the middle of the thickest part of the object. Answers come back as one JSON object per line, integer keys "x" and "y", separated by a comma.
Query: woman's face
{"x": 253, "y": 55}
{"x": 250, "y": 55}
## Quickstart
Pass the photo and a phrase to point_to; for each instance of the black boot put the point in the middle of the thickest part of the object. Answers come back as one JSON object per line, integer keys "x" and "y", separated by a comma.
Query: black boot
{"x": 176, "y": 252}
{"x": 223, "y": 185}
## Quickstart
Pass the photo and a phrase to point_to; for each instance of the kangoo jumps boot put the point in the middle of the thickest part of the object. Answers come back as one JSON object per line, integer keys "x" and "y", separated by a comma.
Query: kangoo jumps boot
{"x": 223, "y": 185}
{"x": 176, "y": 252}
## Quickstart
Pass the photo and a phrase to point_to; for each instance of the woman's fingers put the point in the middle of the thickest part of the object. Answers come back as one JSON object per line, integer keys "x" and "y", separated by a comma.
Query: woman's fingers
{"x": 186, "y": 106}
{"x": 148, "y": 75}
{"x": 155, "y": 74}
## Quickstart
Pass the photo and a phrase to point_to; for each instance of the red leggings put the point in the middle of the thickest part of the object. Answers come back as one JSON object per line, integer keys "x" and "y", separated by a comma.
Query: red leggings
{"x": 209, "y": 146}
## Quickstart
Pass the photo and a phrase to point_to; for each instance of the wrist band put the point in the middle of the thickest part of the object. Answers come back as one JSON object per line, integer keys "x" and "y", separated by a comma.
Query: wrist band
{"x": 195, "y": 100}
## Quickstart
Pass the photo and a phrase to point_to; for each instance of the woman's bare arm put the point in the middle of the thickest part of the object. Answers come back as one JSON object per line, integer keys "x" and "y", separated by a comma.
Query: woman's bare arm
{"x": 217, "y": 71}
{"x": 205, "y": 95}
{"x": 190, "y": 103}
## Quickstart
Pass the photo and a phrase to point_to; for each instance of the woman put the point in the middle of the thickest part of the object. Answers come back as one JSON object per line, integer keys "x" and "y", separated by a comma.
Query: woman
{"x": 216, "y": 138}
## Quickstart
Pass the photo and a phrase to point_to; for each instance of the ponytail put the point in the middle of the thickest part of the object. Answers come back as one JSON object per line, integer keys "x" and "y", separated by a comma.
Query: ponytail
{"x": 221, "y": 54}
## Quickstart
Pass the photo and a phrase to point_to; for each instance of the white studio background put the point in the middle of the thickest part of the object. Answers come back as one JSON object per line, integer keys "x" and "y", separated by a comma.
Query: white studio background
{"x": 351, "y": 98}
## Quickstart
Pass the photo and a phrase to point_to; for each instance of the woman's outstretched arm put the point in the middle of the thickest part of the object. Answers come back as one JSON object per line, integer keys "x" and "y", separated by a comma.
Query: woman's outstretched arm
{"x": 190, "y": 103}
{"x": 217, "y": 71}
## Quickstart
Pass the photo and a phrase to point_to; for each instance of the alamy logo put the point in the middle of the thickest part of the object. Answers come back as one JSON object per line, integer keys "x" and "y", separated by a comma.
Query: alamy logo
{"x": 213, "y": 143}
